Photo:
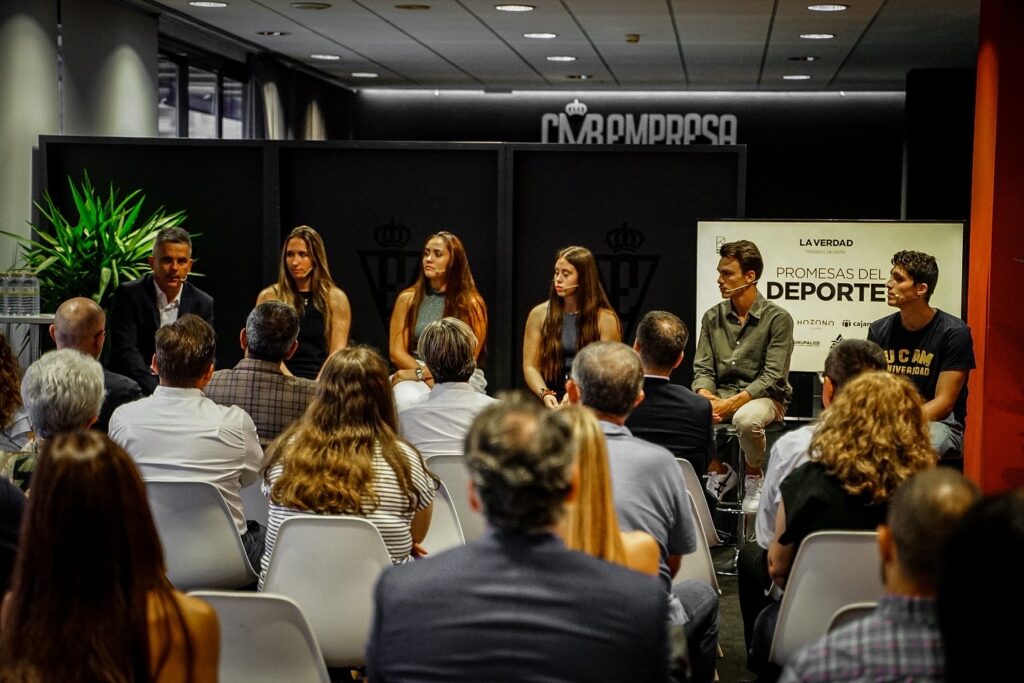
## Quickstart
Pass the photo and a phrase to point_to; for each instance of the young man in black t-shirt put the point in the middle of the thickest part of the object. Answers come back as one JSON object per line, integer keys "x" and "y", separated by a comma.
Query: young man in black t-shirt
{"x": 930, "y": 347}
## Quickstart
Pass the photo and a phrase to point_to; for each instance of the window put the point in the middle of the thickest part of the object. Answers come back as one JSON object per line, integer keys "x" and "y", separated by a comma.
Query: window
{"x": 200, "y": 95}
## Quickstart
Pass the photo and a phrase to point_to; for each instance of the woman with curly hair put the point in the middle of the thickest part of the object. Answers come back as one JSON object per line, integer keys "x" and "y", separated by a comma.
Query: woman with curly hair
{"x": 444, "y": 289}
{"x": 591, "y": 525}
{"x": 89, "y": 601}
{"x": 344, "y": 457}
{"x": 304, "y": 281}
{"x": 576, "y": 313}
{"x": 15, "y": 430}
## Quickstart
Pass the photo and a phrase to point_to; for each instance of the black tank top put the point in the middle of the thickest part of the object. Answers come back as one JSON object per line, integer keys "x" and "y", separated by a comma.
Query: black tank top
{"x": 312, "y": 351}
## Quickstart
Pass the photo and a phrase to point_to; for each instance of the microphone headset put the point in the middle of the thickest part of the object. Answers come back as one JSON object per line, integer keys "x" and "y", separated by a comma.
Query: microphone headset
{"x": 736, "y": 289}
{"x": 566, "y": 288}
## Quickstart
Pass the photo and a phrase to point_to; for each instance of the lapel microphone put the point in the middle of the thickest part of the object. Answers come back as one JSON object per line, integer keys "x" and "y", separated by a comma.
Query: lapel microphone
{"x": 736, "y": 289}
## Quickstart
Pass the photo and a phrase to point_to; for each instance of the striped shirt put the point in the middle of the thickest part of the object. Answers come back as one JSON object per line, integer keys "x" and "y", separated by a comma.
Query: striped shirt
{"x": 391, "y": 517}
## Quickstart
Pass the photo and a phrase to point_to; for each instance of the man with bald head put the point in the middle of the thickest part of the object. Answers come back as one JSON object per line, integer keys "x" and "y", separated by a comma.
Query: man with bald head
{"x": 80, "y": 324}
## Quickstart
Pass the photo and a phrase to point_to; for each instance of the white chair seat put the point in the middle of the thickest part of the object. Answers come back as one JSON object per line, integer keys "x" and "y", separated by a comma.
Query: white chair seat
{"x": 698, "y": 565}
{"x": 696, "y": 489}
{"x": 445, "y": 530}
{"x": 451, "y": 469}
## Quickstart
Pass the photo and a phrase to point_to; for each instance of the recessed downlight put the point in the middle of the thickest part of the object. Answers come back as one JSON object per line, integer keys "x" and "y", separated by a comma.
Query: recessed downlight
{"x": 272, "y": 33}
{"x": 326, "y": 57}
{"x": 817, "y": 36}
{"x": 311, "y": 5}
{"x": 579, "y": 77}
{"x": 514, "y": 8}
{"x": 413, "y": 7}
{"x": 561, "y": 58}
{"x": 363, "y": 74}
{"x": 828, "y": 8}
{"x": 207, "y": 3}
{"x": 804, "y": 59}
{"x": 540, "y": 36}
{"x": 796, "y": 77}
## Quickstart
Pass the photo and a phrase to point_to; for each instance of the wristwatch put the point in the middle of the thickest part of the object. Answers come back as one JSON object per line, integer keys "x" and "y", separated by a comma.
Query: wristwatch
{"x": 419, "y": 374}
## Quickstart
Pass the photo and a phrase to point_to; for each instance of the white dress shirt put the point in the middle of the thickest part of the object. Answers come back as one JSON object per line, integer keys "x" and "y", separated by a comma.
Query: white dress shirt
{"x": 168, "y": 309}
{"x": 788, "y": 453}
{"x": 180, "y": 434}
{"x": 437, "y": 423}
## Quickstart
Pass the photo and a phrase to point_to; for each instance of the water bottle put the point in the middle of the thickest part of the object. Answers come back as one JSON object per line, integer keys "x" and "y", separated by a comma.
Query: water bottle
{"x": 24, "y": 292}
{"x": 5, "y": 294}
{"x": 33, "y": 293}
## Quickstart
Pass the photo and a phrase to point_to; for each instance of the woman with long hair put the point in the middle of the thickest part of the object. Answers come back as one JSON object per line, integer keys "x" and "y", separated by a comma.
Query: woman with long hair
{"x": 344, "y": 457}
{"x": 591, "y": 525}
{"x": 576, "y": 313}
{"x": 15, "y": 430}
{"x": 89, "y": 600}
{"x": 444, "y": 289}
{"x": 304, "y": 281}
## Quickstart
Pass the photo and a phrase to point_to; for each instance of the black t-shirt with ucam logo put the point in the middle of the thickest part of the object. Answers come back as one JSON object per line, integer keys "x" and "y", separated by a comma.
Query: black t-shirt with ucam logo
{"x": 943, "y": 344}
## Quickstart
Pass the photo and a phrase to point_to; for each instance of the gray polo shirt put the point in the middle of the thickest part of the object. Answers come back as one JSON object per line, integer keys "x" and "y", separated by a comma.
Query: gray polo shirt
{"x": 753, "y": 357}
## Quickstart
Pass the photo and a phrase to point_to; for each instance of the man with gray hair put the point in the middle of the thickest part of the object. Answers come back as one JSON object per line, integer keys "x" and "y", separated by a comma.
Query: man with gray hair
{"x": 62, "y": 391}
{"x": 437, "y": 423}
{"x": 516, "y": 604}
{"x": 257, "y": 384}
{"x": 648, "y": 489}
{"x": 900, "y": 640}
{"x": 143, "y": 306}
{"x": 80, "y": 324}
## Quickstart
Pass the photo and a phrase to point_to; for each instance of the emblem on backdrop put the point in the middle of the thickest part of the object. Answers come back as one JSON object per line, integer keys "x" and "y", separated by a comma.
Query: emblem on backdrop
{"x": 391, "y": 268}
{"x": 625, "y": 274}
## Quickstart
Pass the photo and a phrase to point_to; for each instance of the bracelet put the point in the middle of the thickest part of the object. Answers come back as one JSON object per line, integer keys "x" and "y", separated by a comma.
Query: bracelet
{"x": 419, "y": 373}
{"x": 545, "y": 392}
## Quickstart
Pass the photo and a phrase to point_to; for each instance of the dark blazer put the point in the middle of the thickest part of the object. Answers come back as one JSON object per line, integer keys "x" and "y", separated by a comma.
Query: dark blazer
{"x": 118, "y": 391}
{"x": 513, "y": 607}
{"x": 135, "y": 322}
{"x": 678, "y": 419}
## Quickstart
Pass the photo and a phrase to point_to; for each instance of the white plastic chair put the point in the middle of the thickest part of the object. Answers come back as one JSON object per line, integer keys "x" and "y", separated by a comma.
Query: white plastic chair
{"x": 445, "y": 530}
{"x": 832, "y": 569}
{"x": 696, "y": 490}
{"x": 329, "y": 564}
{"x": 255, "y": 504}
{"x": 698, "y": 565}
{"x": 202, "y": 547}
{"x": 451, "y": 469}
{"x": 849, "y": 614}
{"x": 264, "y": 639}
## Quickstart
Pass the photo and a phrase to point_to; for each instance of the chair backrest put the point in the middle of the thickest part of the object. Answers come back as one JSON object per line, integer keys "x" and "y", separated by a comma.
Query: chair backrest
{"x": 264, "y": 639}
{"x": 445, "y": 530}
{"x": 696, "y": 490}
{"x": 850, "y": 613}
{"x": 832, "y": 569}
{"x": 451, "y": 469}
{"x": 329, "y": 564}
{"x": 255, "y": 504}
{"x": 698, "y": 565}
{"x": 202, "y": 547}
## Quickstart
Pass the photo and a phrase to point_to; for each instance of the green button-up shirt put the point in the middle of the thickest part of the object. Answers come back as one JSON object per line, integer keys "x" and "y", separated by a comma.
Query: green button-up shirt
{"x": 753, "y": 357}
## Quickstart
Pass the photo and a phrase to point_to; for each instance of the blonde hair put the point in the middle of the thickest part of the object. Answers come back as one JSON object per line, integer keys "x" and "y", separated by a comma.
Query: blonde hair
{"x": 590, "y": 524}
{"x": 874, "y": 436}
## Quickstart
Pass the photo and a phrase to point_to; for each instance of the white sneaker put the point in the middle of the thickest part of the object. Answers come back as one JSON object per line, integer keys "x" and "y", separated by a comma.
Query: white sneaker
{"x": 720, "y": 484}
{"x": 752, "y": 485}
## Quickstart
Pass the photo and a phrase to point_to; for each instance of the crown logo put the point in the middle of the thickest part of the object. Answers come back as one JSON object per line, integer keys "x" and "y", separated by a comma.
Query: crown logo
{"x": 576, "y": 108}
{"x": 391, "y": 236}
{"x": 624, "y": 238}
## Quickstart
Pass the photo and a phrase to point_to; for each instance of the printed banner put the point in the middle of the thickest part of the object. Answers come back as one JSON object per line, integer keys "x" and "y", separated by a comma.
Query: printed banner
{"x": 830, "y": 275}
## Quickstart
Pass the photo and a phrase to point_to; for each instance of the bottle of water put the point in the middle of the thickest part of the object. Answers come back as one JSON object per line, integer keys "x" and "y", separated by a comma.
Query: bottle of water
{"x": 24, "y": 294}
{"x": 5, "y": 286}
{"x": 33, "y": 294}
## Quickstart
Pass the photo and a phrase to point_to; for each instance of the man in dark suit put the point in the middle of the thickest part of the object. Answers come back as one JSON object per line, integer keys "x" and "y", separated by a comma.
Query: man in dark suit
{"x": 516, "y": 604}
{"x": 80, "y": 324}
{"x": 143, "y": 306}
{"x": 671, "y": 415}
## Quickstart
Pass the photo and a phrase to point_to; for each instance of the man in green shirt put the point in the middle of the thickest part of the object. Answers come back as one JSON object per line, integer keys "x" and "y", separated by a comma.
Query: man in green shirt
{"x": 742, "y": 365}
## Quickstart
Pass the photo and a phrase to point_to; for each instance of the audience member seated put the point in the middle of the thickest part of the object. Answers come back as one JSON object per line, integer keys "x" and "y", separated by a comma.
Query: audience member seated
{"x": 179, "y": 434}
{"x": 90, "y": 601}
{"x": 671, "y": 415}
{"x": 648, "y": 489}
{"x": 590, "y": 524}
{"x": 437, "y": 423}
{"x": 257, "y": 384}
{"x": 12, "y": 506}
{"x": 143, "y": 306}
{"x": 15, "y": 430}
{"x": 62, "y": 391}
{"x": 900, "y": 641}
{"x": 979, "y": 596}
{"x": 80, "y": 324}
{"x": 516, "y": 604}
{"x": 344, "y": 457}
{"x": 869, "y": 441}
{"x": 845, "y": 360}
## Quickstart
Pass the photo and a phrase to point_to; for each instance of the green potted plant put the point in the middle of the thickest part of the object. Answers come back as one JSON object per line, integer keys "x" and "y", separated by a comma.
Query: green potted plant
{"x": 107, "y": 244}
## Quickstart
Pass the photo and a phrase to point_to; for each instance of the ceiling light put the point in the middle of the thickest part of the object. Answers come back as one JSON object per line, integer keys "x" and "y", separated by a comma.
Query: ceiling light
{"x": 272, "y": 33}
{"x": 796, "y": 77}
{"x": 207, "y": 3}
{"x": 579, "y": 77}
{"x": 311, "y": 5}
{"x": 514, "y": 8}
{"x": 413, "y": 7}
{"x": 561, "y": 58}
{"x": 363, "y": 74}
{"x": 540, "y": 36}
{"x": 326, "y": 58}
{"x": 804, "y": 59}
{"x": 817, "y": 36}
{"x": 827, "y": 8}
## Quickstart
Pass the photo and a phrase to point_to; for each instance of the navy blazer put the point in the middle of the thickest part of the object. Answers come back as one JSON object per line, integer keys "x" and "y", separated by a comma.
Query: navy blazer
{"x": 513, "y": 607}
{"x": 678, "y": 419}
{"x": 135, "y": 322}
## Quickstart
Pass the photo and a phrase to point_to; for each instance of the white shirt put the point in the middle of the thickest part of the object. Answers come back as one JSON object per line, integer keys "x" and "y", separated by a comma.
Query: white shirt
{"x": 168, "y": 309}
{"x": 179, "y": 434}
{"x": 437, "y": 423}
{"x": 788, "y": 453}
